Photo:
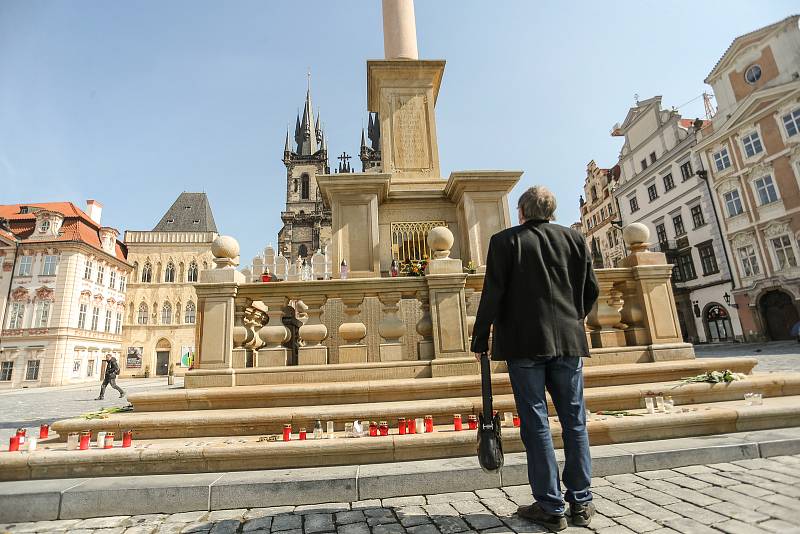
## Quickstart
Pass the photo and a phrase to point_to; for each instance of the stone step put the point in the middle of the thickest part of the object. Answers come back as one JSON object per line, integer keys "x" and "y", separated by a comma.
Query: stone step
{"x": 260, "y": 421}
{"x": 314, "y": 394}
{"x": 220, "y": 454}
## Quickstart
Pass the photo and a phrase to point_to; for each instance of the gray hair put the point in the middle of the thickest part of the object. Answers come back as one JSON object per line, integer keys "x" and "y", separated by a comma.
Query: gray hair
{"x": 537, "y": 203}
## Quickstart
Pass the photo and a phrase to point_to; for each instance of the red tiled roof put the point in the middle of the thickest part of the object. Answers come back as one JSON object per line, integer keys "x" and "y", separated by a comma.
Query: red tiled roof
{"x": 77, "y": 225}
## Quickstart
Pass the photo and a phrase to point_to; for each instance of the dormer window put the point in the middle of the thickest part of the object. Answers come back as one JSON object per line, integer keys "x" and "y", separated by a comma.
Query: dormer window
{"x": 752, "y": 74}
{"x": 44, "y": 226}
{"x": 170, "y": 221}
{"x": 23, "y": 210}
{"x": 196, "y": 221}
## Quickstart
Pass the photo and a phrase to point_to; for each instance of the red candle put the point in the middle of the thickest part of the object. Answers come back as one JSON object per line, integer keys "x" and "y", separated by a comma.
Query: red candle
{"x": 458, "y": 423}
{"x": 383, "y": 428}
{"x": 13, "y": 443}
{"x": 411, "y": 425}
{"x": 303, "y": 434}
{"x": 401, "y": 425}
{"x": 472, "y": 422}
{"x": 109, "y": 441}
{"x": 127, "y": 438}
{"x": 86, "y": 438}
{"x": 516, "y": 420}
{"x": 287, "y": 432}
{"x": 373, "y": 428}
{"x": 428, "y": 423}
{"x": 22, "y": 434}
{"x": 44, "y": 431}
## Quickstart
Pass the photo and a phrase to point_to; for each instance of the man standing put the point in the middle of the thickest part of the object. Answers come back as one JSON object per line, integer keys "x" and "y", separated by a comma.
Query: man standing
{"x": 538, "y": 288}
{"x": 112, "y": 370}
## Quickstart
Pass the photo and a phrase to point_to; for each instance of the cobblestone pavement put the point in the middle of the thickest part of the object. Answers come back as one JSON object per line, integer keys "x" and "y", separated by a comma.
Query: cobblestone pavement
{"x": 29, "y": 408}
{"x": 747, "y": 496}
{"x": 772, "y": 356}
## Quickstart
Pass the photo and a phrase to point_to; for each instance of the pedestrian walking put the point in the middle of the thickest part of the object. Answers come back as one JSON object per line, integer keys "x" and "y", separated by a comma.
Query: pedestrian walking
{"x": 538, "y": 288}
{"x": 112, "y": 370}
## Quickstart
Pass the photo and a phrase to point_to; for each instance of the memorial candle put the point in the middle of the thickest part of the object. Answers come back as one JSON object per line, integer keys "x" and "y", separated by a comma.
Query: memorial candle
{"x": 85, "y": 440}
{"x": 127, "y": 438}
{"x": 472, "y": 422}
{"x": 428, "y": 423}
{"x": 458, "y": 423}
{"x": 13, "y": 443}
{"x": 383, "y": 428}
{"x": 516, "y": 420}
{"x": 411, "y": 425}
{"x": 44, "y": 431}
{"x": 302, "y": 434}
{"x": 373, "y": 428}
{"x": 108, "y": 443}
{"x": 287, "y": 432}
{"x": 401, "y": 425}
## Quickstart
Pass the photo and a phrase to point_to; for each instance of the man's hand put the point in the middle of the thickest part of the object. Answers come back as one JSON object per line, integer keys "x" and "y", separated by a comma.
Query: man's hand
{"x": 479, "y": 354}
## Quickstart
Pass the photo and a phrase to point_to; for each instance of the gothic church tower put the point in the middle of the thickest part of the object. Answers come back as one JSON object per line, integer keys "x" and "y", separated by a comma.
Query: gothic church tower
{"x": 306, "y": 222}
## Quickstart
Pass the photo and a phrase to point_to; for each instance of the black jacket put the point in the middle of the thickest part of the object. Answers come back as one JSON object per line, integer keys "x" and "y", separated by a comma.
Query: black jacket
{"x": 539, "y": 287}
{"x": 112, "y": 368}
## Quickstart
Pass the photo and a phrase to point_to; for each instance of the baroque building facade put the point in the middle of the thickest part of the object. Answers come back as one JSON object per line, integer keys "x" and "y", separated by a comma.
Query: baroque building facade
{"x": 599, "y": 216}
{"x": 659, "y": 188}
{"x": 751, "y": 157}
{"x": 306, "y": 220}
{"x": 63, "y": 277}
{"x": 161, "y": 316}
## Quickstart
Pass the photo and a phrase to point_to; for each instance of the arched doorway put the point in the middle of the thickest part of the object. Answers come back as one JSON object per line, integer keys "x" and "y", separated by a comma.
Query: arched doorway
{"x": 162, "y": 357}
{"x": 779, "y": 314}
{"x": 718, "y": 323}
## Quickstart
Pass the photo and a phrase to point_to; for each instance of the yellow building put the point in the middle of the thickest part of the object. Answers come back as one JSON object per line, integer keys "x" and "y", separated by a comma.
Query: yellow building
{"x": 598, "y": 210}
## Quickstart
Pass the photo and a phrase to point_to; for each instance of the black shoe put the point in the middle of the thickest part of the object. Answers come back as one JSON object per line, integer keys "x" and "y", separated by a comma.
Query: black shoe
{"x": 121, "y": 394}
{"x": 99, "y": 398}
{"x": 582, "y": 513}
{"x": 536, "y": 514}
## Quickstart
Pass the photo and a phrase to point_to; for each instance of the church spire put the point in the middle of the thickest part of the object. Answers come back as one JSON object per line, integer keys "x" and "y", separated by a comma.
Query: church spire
{"x": 308, "y": 129}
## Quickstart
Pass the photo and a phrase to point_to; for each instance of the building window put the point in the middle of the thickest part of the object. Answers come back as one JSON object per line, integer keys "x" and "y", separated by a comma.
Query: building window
{"x": 752, "y": 74}
{"x": 123, "y": 282}
{"x": 669, "y": 183}
{"x": 747, "y": 255}
{"x": 143, "y": 316}
{"x": 101, "y": 272}
{"x": 49, "y": 265}
{"x": 147, "y": 273}
{"x": 191, "y": 274}
{"x": 733, "y": 203}
{"x": 107, "y": 325}
{"x": 87, "y": 270}
{"x": 791, "y": 121}
{"x": 191, "y": 313}
{"x": 95, "y": 317}
{"x": 112, "y": 278}
{"x": 686, "y": 171}
{"x": 44, "y": 314}
{"x": 634, "y": 204}
{"x": 32, "y": 370}
{"x": 6, "y": 370}
{"x": 304, "y": 187}
{"x": 652, "y": 157}
{"x": 677, "y": 222}
{"x": 765, "y": 188}
{"x": 118, "y": 325}
{"x": 707, "y": 259}
{"x": 644, "y": 164}
{"x": 722, "y": 160}
{"x": 697, "y": 216}
{"x": 169, "y": 272}
{"x": 17, "y": 315}
{"x": 752, "y": 144}
{"x": 166, "y": 313}
{"x": 686, "y": 267}
{"x": 784, "y": 252}
{"x": 82, "y": 317}
{"x": 25, "y": 265}
{"x": 652, "y": 192}
{"x": 661, "y": 232}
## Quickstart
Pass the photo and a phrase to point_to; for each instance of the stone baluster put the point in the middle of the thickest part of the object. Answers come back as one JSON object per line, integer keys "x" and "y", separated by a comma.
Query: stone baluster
{"x": 425, "y": 328}
{"x": 605, "y": 317}
{"x": 313, "y": 332}
{"x": 635, "y": 334}
{"x": 242, "y": 334}
{"x": 274, "y": 334}
{"x": 352, "y": 331}
{"x": 471, "y": 310}
{"x": 391, "y": 328}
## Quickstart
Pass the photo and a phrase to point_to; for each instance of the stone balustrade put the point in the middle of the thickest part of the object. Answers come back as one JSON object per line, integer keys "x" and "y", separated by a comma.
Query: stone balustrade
{"x": 365, "y": 320}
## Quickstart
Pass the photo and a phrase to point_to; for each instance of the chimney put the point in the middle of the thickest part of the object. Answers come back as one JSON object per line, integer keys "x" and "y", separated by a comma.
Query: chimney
{"x": 94, "y": 209}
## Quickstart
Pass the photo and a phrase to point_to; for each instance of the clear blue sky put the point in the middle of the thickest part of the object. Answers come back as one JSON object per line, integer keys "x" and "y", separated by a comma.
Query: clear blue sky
{"x": 133, "y": 102}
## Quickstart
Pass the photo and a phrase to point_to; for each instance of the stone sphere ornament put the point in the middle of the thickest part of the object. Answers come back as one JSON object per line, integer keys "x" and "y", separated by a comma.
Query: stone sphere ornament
{"x": 440, "y": 240}
{"x": 636, "y": 233}
{"x": 226, "y": 252}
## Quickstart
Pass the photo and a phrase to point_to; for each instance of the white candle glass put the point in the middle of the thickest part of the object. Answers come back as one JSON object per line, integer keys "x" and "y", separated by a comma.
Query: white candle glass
{"x": 31, "y": 444}
{"x": 648, "y": 402}
{"x": 420, "y": 422}
{"x": 101, "y": 439}
{"x": 330, "y": 429}
{"x": 660, "y": 404}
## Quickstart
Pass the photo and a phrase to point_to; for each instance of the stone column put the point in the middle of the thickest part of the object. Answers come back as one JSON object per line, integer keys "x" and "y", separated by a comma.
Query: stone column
{"x": 312, "y": 333}
{"x": 274, "y": 334}
{"x": 216, "y": 293}
{"x": 425, "y": 348}
{"x": 391, "y": 328}
{"x": 605, "y": 317}
{"x": 446, "y": 283}
{"x": 399, "y": 30}
{"x": 352, "y": 331}
{"x": 242, "y": 335}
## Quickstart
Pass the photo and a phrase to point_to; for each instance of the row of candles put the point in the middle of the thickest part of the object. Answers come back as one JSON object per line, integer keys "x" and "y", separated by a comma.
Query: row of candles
{"x": 419, "y": 425}
{"x": 75, "y": 440}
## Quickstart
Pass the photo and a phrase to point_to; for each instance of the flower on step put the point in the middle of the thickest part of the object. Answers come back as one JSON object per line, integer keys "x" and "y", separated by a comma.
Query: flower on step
{"x": 713, "y": 377}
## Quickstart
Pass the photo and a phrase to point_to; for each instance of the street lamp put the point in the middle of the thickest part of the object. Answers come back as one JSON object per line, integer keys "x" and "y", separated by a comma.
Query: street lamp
{"x": 696, "y": 308}
{"x": 727, "y": 298}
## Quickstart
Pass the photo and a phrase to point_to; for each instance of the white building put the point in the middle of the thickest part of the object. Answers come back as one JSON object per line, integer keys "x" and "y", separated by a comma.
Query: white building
{"x": 658, "y": 187}
{"x": 64, "y": 277}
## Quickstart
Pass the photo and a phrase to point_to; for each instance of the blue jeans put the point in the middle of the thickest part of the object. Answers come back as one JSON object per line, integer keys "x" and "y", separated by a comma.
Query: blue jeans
{"x": 563, "y": 378}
